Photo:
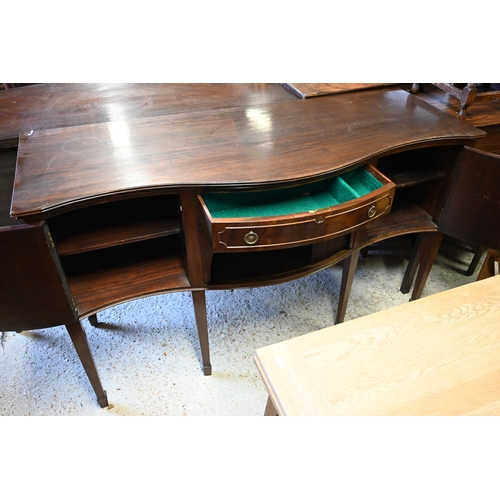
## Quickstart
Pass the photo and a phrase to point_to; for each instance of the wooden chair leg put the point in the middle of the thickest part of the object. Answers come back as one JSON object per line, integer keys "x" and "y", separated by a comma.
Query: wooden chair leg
{"x": 488, "y": 268}
{"x": 200, "y": 312}
{"x": 429, "y": 249}
{"x": 350, "y": 264}
{"x": 79, "y": 339}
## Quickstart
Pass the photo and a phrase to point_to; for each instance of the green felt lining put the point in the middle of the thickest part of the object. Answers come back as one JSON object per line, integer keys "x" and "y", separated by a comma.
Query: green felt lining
{"x": 287, "y": 201}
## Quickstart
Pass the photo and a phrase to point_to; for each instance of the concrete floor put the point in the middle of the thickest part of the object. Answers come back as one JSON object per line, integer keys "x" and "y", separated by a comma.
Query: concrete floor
{"x": 147, "y": 351}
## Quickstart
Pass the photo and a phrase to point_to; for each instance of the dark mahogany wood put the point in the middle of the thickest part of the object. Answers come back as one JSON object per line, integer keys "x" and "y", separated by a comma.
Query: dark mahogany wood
{"x": 470, "y": 213}
{"x": 114, "y": 224}
{"x": 200, "y": 309}
{"x": 404, "y": 219}
{"x": 491, "y": 261}
{"x": 55, "y": 105}
{"x": 307, "y": 90}
{"x": 80, "y": 342}
{"x": 33, "y": 289}
{"x": 119, "y": 177}
{"x": 286, "y": 142}
{"x": 197, "y": 272}
{"x": 483, "y": 113}
{"x": 7, "y": 173}
{"x": 101, "y": 279}
{"x": 301, "y": 228}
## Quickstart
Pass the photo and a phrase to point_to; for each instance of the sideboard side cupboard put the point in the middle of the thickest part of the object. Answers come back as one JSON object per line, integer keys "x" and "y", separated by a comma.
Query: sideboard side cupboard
{"x": 229, "y": 191}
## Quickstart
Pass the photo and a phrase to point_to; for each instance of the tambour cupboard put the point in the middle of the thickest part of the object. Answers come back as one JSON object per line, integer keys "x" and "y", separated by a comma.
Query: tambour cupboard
{"x": 225, "y": 186}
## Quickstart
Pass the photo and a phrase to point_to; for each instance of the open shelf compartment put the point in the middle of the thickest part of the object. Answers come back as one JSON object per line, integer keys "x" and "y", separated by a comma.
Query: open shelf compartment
{"x": 115, "y": 223}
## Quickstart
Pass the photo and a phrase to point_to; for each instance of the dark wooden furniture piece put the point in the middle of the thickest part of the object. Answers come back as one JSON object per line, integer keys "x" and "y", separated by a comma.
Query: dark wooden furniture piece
{"x": 34, "y": 292}
{"x": 467, "y": 95}
{"x": 128, "y": 197}
{"x": 55, "y": 105}
{"x": 483, "y": 114}
{"x": 491, "y": 261}
{"x": 307, "y": 90}
{"x": 471, "y": 213}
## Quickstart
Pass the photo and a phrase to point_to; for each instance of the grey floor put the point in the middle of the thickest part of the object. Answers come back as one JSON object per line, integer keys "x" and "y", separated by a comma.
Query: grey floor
{"x": 147, "y": 351}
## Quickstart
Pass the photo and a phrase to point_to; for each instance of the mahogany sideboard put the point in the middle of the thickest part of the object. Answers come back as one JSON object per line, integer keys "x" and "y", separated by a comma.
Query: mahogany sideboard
{"x": 143, "y": 190}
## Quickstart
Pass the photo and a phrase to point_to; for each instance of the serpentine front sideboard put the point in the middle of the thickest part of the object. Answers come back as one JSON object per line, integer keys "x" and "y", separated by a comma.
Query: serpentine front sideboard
{"x": 226, "y": 186}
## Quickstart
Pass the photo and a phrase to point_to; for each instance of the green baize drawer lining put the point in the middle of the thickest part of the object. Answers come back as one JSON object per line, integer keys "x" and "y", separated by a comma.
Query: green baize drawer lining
{"x": 305, "y": 198}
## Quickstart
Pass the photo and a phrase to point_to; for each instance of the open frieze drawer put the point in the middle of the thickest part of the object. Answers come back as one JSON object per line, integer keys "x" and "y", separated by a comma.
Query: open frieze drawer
{"x": 298, "y": 215}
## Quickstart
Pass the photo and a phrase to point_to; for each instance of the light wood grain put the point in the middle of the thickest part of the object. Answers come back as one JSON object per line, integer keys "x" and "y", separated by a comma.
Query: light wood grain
{"x": 436, "y": 356}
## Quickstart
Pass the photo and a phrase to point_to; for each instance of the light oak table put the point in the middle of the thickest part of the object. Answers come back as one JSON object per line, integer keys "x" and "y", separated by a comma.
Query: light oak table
{"x": 439, "y": 355}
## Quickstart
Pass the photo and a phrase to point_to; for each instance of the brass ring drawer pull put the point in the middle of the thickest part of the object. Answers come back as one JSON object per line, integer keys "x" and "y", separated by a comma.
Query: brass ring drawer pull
{"x": 251, "y": 238}
{"x": 320, "y": 221}
{"x": 372, "y": 211}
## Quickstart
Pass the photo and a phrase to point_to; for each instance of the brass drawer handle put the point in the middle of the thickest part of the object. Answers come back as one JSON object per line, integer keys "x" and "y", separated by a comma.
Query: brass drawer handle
{"x": 251, "y": 238}
{"x": 372, "y": 211}
{"x": 320, "y": 221}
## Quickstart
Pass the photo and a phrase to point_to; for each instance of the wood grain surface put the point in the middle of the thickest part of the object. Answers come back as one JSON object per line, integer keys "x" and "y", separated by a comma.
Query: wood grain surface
{"x": 234, "y": 148}
{"x": 435, "y": 356}
{"x": 54, "y": 105}
{"x": 305, "y": 90}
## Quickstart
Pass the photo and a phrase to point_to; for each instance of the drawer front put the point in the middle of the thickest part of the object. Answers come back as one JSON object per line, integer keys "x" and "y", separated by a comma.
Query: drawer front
{"x": 242, "y": 236}
{"x": 246, "y": 233}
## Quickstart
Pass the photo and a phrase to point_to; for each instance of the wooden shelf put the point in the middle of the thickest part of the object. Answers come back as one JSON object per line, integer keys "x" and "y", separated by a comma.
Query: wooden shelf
{"x": 96, "y": 238}
{"x": 238, "y": 270}
{"x": 113, "y": 224}
{"x": 411, "y": 168}
{"x": 411, "y": 177}
{"x": 107, "y": 277}
{"x": 403, "y": 219}
{"x": 242, "y": 270}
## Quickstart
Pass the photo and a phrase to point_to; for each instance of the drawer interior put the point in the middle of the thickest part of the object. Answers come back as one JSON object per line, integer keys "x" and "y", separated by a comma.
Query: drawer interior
{"x": 304, "y": 198}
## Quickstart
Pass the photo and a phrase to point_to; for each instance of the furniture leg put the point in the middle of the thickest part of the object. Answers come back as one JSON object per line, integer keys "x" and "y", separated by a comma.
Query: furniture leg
{"x": 93, "y": 320}
{"x": 79, "y": 339}
{"x": 200, "y": 311}
{"x": 412, "y": 266}
{"x": 467, "y": 98}
{"x": 488, "y": 268}
{"x": 475, "y": 261}
{"x": 430, "y": 247}
{"x": 350, "y": 264}
{"x": 270, "y": 410}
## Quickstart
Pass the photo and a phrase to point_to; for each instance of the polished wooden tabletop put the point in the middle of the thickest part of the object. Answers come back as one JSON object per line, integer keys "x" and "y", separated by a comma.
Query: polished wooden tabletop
{"x": 237, "y": 146}
{"x": 481, "y": 113}
{"x": 439, "y": 355}
{"x": 54, "y": 105}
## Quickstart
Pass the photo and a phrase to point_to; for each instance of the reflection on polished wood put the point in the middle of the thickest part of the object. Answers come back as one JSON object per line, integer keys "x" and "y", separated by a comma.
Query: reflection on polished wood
{"x": 54, "y": 105}
{"x": 435, "y": 356}
{"x": 224, "y": 148}
{"x": 116, "y": 173}
{"x": 483, "y": 113}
